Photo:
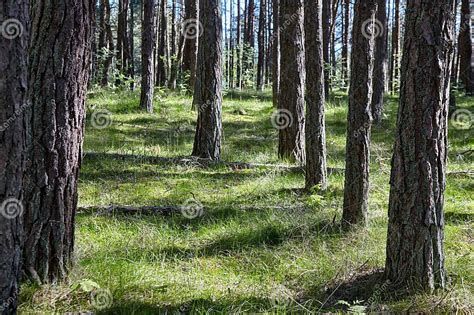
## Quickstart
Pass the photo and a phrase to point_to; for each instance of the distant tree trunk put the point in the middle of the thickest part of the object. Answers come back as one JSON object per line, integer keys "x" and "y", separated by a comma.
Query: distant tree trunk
{"x": 327, "y": 14}
{"x": 261, "y": 46}
{"x": 415, "y": 253}
{"x": 276, "y": 52}
{"x": 394, "y": 62}
{"x": 345, "y": 42}
{"x": 316, "y": 169}
{"x": 208, "y": 86}
{"x": 148, "y": 46}
{"x": 292, "y": 81}
{"x": 359, "y": 120}
{"x": 55, "y": 136}
{"x": 380, "y": 66}
{"x": 94, "y": 52}
{"x": 250, "y": 30}
{"x": 173, "y": 50}
{"x": 162, "y": 46}
{"x": 13, "y": 100}
{"x": 110, "y": 43}
{"x": 123, "y": 53}
{"x": 465, "y": 48}
{"x": 131, "y": 66}
{"x": 239, "y": 45}
{"x": 191, "y": 41}
{"x": 231, "y": 47}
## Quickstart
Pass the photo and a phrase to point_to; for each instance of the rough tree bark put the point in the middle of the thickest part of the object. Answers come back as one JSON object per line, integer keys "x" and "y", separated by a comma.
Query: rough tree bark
{"x": 148, "y": 47}
{"x": 316, "y": 169}
{"x": 359, "y": 120}
{"x": 465, "y": 48}
{"x": 415, "y": 252}
{"x": 191, "y": 41}
{"x": 13, "y": 101}
{"x": 208, "y": 85}
{"x": 276, "y": 52}
{"x": 380, "y": 65}
{"x": 58, "y": 82}
{"x": 292, "y": 81}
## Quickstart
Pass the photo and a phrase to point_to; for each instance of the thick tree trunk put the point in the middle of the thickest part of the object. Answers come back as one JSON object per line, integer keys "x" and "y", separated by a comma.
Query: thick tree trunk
{"x": 190, "y": 26}
{"x": 276, "y": 52}
{"x": 394, "y": 61}
{"x": 292, "y": 82}
{"x": 359, "y": 120}
{"x": 380, "y": 65}
{"x": 148, "y": 46}
{"x": 316, "y": 169}
{"x": 58, "y": 81}
{"x": 327, "y": 14}
{"x": 208, "y": 86}
{"x": 261, "y": 45}
{"x": 415, "y": 252}
{"x": 465, "y": 48}
{"x": 13, "y": 103}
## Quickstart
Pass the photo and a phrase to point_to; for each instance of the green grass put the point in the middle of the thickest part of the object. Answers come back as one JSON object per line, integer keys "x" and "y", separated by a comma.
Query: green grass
{"x": 262, "y": 245}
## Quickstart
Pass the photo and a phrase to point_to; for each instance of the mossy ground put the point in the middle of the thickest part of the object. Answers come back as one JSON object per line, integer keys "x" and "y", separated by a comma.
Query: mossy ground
{"x": 262, "y": 244}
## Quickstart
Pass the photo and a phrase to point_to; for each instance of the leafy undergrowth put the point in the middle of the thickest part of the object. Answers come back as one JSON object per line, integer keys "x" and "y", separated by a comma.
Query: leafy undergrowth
{"x": 259, "y": 243}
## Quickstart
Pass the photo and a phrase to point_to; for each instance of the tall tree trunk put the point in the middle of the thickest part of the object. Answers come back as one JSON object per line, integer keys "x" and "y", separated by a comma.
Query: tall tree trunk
{"x": 327, "y": 14}
{"x": 58, "y": 82}
{"x": 359, "y": 120}
{"x": 191, "y": 30}
{"x": 173, "y": 49}
{"x": 394, "y": 61}
{"x": 415, "y": 253}
{"x": 292, "y": 81}
{"x": 131, "y": 65}
{"x": 345, "y": 42}
{"x": 107, "y": 29}
{"x": 208, "y": 86}
{"x": 231, "y": 47}
{"x": 316, "y": 169}
{"x": 239, "y": 45}
{"x": 276, "y": 52}
{"x": 380, "y": 66}
{"x": 261, "y": 46}
{"x": 162, "y": 46}
{"x": 94, "y": 52}
{"x": 465, "y": 48}
{"x": 13, "y": 103}
{"x": 148, "y": 47}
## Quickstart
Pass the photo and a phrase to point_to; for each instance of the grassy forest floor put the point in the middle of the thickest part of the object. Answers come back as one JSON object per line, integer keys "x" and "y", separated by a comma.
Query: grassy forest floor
{"x": 262, "y": 243}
